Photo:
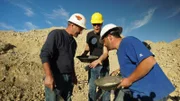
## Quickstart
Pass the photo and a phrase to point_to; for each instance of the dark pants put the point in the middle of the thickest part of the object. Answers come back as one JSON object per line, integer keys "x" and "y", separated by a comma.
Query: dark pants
{"x": 126, "y": 95}
{"x": 63, "y": 90}
{"x": 94, "y": 74}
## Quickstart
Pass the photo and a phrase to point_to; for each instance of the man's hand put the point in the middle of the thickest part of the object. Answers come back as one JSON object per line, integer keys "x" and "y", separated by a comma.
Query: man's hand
{"x": 95, "y": 63}
{"x": 49, "y": 82}
{"x": 125, "y": 82}
{"x": 115, "y": 72}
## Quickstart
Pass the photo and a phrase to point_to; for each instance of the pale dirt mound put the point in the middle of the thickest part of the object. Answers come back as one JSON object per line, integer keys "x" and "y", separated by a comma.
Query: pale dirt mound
{"x": 21, "y": 71}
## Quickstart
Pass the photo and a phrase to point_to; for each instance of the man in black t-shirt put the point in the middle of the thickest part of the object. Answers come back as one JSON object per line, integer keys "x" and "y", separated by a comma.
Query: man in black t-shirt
{"x": 99, "y": 67}
{"x": 57, "y": 56}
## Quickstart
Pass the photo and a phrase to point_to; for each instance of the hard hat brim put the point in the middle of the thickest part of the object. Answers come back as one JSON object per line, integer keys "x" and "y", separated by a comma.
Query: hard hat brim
{"x": 108, "y": 32}
{"x": 96, "y": 22}
{"x": 84, "y": 27}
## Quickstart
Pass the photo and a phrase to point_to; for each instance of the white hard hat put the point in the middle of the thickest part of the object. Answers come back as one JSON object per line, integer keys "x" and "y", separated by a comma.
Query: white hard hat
{"x": 78, "y": 19}
{"x": 107, "y": 28}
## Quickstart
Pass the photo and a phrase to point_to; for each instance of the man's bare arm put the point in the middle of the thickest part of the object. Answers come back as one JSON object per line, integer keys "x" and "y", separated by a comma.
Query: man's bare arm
{"x": 100, "y": 59}
{"x": 49, "y": 80}
{"x": 142, "y": 69}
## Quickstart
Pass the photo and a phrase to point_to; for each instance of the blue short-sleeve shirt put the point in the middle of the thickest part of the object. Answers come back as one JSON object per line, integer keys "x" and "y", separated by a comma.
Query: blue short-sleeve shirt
{"x": 155, "y": 84}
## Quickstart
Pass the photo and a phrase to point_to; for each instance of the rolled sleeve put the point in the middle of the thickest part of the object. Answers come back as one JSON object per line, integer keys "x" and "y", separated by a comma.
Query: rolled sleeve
{"x": 48, "y": 48}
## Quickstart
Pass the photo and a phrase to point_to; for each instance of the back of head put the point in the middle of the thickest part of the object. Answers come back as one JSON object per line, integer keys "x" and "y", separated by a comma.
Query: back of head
{"x": 147, "y": 45}
{"x": 78, "y": 19}
{"x": 97, "y": 18}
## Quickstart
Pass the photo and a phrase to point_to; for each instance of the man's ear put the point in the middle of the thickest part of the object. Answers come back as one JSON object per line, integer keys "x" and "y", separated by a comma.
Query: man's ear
{"x": 110, "y": 37}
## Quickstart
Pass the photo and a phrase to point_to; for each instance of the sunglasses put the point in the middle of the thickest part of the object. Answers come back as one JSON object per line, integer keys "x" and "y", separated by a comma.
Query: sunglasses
{"x": 97, "y": 24}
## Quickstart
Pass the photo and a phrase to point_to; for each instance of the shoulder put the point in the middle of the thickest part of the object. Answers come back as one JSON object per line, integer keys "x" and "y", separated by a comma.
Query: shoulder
{"x": 130, "y": 42}
{"x": 56, "y": 34}
{"x": 90, "y": 33}
{"x": 130, "y": 39}
{"x": 55, "y": 31}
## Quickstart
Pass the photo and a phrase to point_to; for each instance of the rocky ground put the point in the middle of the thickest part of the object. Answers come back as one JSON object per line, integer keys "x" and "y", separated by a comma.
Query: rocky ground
{"x": 21, "y": 70}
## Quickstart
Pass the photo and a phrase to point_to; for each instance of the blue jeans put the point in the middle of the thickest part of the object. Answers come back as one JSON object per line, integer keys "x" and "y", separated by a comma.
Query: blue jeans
{"x": 52, "y": 95}
{"x": 95, "y": 73}
{"x": 126, "y": 95}
{"x": 63, "y": 90}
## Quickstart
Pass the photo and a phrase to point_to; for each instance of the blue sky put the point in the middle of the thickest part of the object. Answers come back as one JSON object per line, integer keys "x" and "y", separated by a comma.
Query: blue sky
{"x": 155, "y": 20}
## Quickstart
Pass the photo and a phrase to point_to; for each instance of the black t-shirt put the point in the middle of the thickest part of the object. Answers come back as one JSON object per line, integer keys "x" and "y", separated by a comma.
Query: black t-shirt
{"x": 92, "y": 40}
{"x": 96, "y": 48}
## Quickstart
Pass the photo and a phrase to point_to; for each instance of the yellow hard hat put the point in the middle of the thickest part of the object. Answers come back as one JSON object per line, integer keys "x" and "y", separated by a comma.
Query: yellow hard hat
{"x": 97, "y": 18}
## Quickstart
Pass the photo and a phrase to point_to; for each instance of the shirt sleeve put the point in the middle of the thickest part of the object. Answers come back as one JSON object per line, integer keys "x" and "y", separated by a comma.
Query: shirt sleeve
{"x": 87, "y": 38}
{"x": 136, "y": 51}
{"x": 49, "y": 47}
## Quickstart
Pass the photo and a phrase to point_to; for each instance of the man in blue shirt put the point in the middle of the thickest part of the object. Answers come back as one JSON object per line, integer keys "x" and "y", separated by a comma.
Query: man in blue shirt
{"x": 143, "y": 79}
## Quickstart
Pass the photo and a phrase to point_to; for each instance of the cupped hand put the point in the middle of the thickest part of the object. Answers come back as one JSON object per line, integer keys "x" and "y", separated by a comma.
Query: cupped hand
{"x": 124, "y": 83}
{"x": 115, "y": 72}
{"x": 95, "y": 63}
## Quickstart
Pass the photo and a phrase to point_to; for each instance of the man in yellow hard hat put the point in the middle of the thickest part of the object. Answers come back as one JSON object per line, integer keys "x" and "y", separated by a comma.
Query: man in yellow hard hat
{"x": 99, "y": 67}
{"x": 57, "y": 56}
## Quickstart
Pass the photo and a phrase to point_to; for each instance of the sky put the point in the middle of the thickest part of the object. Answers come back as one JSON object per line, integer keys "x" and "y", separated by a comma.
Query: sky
{"x": 154, "y": 20}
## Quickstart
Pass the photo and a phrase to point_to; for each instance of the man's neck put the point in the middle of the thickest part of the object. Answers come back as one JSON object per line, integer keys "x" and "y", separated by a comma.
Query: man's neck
{"x": 68, "y": 31}
{"x": 117, "y": 43}
{"x": 98, "y": 33}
